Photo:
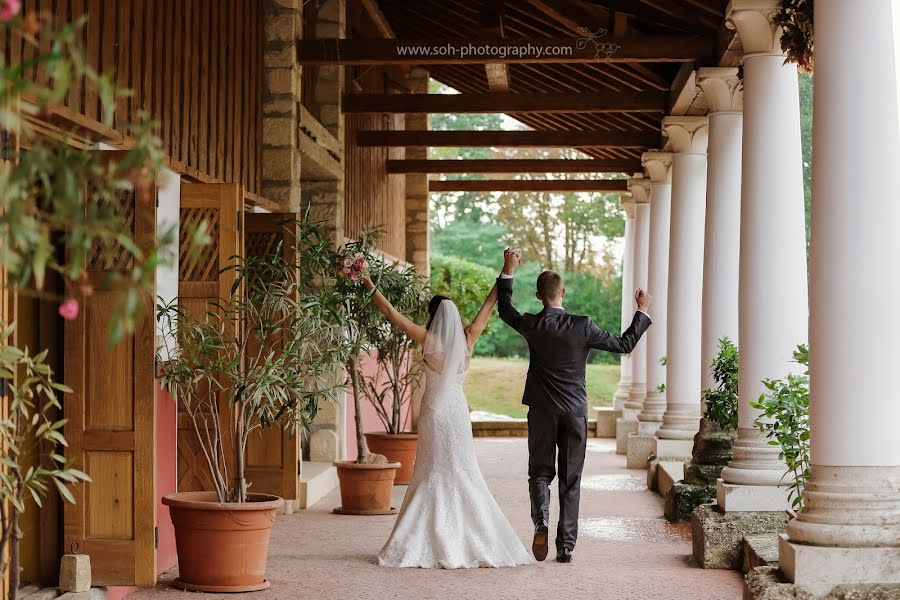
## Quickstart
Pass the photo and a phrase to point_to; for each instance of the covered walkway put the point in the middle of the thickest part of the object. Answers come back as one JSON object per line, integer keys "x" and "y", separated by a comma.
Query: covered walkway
{"x": 626, "y": 550}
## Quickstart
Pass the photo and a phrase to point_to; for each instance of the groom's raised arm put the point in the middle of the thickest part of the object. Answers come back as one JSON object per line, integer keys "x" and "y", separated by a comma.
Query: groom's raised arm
{"x": 510, "y": 316}
{"x": 507, "y": 311}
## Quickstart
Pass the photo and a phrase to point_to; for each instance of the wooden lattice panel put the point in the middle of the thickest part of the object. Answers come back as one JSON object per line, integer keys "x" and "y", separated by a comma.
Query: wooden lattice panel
{"x": 198, "y": 263}
{"x": 113, "y": 256}
{"x": 262, "y": 243}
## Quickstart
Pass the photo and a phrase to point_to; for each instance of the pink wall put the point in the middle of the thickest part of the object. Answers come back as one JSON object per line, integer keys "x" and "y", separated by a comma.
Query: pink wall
{"x": 166, "y": 475}
{"x": 371, "y": 421}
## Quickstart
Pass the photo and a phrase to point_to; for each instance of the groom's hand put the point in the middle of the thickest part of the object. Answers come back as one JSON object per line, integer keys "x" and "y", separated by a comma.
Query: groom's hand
{"x": 511, "y": 260}
{"x": 643, "y": 300}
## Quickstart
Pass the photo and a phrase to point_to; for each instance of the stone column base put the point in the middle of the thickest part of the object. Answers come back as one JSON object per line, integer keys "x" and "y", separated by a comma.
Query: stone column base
{"x": 639, "y": 449}
{"x": 768, "y": 583}
{"x": 606, "y": 422}
{"x": 624, "y": 426}
{"x": 820, "y": 568}
{"x": 748, "y": 498}
{"x": 718, "y": 536}
{"x": 673, "y": 448}
{"x": 648, "y": 427}
{"x": 682, "y": 498}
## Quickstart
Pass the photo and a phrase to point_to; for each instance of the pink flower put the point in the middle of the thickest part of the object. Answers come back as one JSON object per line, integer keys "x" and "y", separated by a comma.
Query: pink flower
{"x": 9, "y": 9}
{"x": 348, "y": 262}
{"x": 354, "y": 276}
{"x": 68, "y": 310}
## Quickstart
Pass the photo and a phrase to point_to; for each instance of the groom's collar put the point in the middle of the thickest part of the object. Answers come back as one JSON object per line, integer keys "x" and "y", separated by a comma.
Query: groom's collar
{"x": 557, "y": 309}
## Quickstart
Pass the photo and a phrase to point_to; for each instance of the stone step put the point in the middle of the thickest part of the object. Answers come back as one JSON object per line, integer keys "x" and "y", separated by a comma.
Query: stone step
{"x": 760, "y": 550}
{"x": 317, "y": 480}
{"x": 667, "y": 473}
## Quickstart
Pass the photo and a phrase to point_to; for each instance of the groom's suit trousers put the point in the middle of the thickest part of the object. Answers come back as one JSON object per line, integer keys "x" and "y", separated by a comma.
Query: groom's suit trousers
{"x": 547, "y": 433}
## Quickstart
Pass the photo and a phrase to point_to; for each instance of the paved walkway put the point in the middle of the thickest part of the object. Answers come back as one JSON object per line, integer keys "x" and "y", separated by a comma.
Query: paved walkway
{"x": 626, "y": 550}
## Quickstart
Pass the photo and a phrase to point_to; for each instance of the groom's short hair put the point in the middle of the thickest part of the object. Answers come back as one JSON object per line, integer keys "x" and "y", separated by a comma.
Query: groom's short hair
{"x": 549, "y": 285}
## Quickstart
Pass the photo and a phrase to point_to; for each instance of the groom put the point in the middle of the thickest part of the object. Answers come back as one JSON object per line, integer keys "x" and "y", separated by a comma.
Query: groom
{"x": 559, "y": 344}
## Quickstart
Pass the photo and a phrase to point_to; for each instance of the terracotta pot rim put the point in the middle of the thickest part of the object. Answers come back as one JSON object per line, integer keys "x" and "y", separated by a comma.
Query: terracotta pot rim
{"x": 196, "y": 501}
{"x": 404, "y": 435}
{"x": 351, "y": 464}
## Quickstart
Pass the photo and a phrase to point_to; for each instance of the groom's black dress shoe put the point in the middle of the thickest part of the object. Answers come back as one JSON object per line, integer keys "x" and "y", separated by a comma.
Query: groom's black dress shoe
{"x": 539, "y": 545}
{"x": 564, "y": 556}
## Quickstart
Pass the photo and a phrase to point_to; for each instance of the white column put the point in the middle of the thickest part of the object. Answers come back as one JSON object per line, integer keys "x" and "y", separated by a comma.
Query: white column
{"x": 658, "y": 166}
{"x": 621, "y": 394}
{"x": 721, "y": 255}
{"x": 849, "y": 529}
{"x": 773, "y": 284}
{"x": 688, "y": 141}
{"x": 640, "y": 193}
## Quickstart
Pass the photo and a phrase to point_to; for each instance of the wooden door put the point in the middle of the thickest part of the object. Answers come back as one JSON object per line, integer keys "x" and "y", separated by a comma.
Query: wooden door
{"x": 273, "y": 454}
{"x": 202, "y": 282}
{"x": 112, "y": 415}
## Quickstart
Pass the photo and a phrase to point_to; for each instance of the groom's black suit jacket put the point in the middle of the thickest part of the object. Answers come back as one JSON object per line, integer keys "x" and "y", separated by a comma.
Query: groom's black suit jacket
{"x": 559, "y": 344}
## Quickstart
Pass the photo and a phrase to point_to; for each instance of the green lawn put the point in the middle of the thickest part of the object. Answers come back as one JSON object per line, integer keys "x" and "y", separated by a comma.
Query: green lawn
{"x": 495, "y": 385}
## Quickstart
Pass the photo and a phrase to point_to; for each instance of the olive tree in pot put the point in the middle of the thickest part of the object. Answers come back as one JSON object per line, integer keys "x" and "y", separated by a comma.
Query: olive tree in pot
{"x": 266, "y": 356}
{"x": 397, "y": 373}
{"x": 366, "y": 483}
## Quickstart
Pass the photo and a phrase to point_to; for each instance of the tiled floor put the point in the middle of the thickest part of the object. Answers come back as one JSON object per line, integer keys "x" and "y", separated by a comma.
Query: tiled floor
{"x": 626, "y": 550}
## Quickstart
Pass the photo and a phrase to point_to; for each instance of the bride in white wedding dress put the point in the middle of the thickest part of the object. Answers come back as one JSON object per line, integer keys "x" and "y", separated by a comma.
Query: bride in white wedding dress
{"x": 448, "y": 519}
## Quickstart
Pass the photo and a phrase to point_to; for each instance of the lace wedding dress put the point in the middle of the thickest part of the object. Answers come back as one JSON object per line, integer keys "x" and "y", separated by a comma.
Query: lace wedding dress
{"x": 449, "y": 519}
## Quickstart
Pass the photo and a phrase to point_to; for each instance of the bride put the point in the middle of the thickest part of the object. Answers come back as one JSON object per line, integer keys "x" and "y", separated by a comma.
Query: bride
{"x": 448, "y": 518}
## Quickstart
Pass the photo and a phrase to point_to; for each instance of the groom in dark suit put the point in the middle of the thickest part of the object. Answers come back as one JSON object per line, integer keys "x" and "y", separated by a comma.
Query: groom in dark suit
{"x": 559, "y": 345}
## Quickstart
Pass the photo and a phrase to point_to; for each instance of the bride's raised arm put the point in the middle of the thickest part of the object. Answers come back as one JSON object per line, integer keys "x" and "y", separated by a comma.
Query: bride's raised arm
{"x": 474, "y": 330}
{"x": 414, "y": 331}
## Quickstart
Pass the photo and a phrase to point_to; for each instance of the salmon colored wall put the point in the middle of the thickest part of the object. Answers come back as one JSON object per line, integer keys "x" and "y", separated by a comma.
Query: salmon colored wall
{"x": 371, "y": 421}
{"x": 166, "y": 476}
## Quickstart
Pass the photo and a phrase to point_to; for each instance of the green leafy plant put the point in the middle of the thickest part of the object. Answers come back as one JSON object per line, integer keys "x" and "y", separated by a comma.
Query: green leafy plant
{"x": 785, "y": 421}
{"x": 796, "y": 19}
{"x": 360, "y": 312}
{"x": 273, "y": 351}
{"x": 397, "y": 371}
{"x": 31, "y": 437}
{"x": 722, "y": 400}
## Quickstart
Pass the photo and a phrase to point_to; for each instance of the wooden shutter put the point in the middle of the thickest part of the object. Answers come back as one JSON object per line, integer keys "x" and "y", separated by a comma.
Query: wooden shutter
{"x": 111, "y": 415}
{"x": 273, "y": 454}
{"x": 201, "y": 282}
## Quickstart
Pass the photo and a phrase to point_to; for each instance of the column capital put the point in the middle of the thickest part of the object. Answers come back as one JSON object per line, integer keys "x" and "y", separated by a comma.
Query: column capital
{"x": 626, "y": 201}
{"x": 687, "y": 135}
{"x": 722, "y": 89}
{"x": 658, "y": 166}
{"x": 753, "y": 20}
{"x": 640, "y": 189}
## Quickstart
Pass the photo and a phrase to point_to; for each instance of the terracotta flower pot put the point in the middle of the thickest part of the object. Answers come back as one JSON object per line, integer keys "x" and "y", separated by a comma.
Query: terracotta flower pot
{"x": 366, "y": 489}
{"x": 222, "y": 547}
{"x": 397, "y": 447}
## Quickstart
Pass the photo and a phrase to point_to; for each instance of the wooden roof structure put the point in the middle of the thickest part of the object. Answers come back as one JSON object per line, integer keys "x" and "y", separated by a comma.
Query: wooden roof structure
{"x": 608, "y": 104}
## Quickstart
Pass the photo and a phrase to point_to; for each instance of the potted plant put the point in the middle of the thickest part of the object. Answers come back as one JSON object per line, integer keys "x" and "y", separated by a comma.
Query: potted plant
{"x": 366, "y": 483}
{"x": 398, "y": 371}
{"x": 264, "y": 357}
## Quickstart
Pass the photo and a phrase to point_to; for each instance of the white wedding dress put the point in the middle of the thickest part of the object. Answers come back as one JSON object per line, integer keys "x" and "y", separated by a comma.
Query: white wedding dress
{"x": 449, "y": 519}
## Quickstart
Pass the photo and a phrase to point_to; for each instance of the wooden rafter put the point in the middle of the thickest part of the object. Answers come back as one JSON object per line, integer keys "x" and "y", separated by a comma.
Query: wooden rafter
{"x": 633, "y": 48}
{"x": 381, "y": 22}
{"x": 506, "y": 103}
{"x": 529, "y": 185}
{"x": 516, "y": 165}
{"x": 509, "y": 139}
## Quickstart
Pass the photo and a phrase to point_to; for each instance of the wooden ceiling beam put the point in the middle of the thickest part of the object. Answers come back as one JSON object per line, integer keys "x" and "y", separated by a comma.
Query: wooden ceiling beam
{"x": 516, "y": 165}
{"x": 529, "y": 185}
{"x": 381, "y": 22}
{"x": 505, "y": 103}
{"x": 632, "y": 48}
{"x": 508, "y": 139}
{"x": 684, "y": 21}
